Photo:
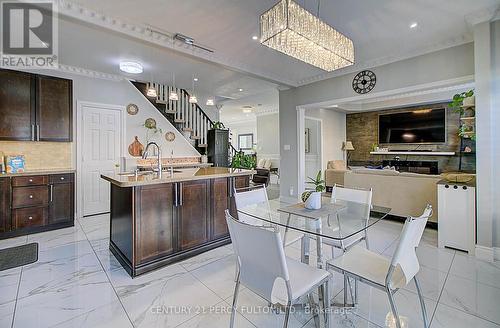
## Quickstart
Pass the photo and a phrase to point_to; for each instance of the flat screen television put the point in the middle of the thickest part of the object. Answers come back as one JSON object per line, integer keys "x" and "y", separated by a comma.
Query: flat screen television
{"x": 413, "y": 127}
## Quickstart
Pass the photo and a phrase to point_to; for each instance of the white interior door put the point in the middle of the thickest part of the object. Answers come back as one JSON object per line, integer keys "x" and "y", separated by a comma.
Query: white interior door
{"x": 101, "y": 141}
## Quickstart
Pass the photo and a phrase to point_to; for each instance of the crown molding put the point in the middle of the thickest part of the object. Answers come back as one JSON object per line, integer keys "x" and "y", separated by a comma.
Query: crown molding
{"x": 266, "y": 112}
{"x": 486, "y": 15}
{"x": 466, "y": 38}
{"x": 163, "y": 39}
{"x": 90, "y": 73}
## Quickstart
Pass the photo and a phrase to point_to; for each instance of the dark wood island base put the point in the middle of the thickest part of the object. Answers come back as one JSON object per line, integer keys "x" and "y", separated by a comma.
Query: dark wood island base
{"x": 153, "y": 225}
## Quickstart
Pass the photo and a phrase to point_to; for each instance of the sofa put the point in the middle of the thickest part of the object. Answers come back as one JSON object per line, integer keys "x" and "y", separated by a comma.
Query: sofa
{"x": 405, "y": 193}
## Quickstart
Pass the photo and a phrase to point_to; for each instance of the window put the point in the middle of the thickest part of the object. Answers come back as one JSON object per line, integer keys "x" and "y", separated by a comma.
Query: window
{"x": 245, "y": 141}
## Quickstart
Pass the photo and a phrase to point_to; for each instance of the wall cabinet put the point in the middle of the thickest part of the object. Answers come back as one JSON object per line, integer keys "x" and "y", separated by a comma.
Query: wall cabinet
{"x": 35, "y": 107}
{"x": 30, "y": 204}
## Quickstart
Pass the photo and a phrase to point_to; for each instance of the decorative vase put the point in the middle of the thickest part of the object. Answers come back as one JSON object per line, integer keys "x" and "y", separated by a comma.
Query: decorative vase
{"x": 469, "y": 101}
{"x": 204, "y": 159}
{"x": 313, "y": 202}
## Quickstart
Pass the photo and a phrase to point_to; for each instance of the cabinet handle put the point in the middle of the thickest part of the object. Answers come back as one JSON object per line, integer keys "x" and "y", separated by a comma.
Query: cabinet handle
{"x": 30, "y": 218}
{"x": 62, "y": 178}
{"x": 30, "y": 180}
{"x": 32, "y": 132}
{"x": 180, "y": 194}
{"x": 51, "y": 193}
{"x": 176, "y": 195}
{"x": 31, "y": 196}
{"x": 37, "y": 132}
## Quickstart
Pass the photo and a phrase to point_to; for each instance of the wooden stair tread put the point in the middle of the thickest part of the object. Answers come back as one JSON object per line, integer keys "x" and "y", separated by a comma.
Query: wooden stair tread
{"x": 195, "y": 137}
{"x": 169, "y": 111}
{"x": 203, "y": 145}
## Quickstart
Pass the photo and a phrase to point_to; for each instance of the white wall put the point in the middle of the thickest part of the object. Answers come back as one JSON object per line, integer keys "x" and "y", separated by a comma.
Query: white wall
{"x": 442, "y": 65}
{"x": 313, "y": 159}
{"x": 268, "y": 141}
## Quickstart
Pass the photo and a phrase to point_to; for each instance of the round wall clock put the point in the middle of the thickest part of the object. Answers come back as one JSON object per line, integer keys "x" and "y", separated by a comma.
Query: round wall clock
{"x": 364, "y": 82}
{"x": 132, "y": 109}
{"x": 170, "y": 136}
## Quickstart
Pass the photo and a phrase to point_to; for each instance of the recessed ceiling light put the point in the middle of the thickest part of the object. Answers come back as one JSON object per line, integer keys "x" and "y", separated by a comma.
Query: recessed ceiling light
{"x": 334, "y": 106}
{"x": 240, "y": 89}
{"x": 195, "y": 79}
{"x": 255, "y": 37}
{"x": 413, "y": 25}
{"x": 247, "y": 110}
{"x": 131, "y": 67}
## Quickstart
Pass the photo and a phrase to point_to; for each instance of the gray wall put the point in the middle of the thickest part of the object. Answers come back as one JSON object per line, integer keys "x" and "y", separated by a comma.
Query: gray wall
{"x": 268, "y": 141}
{"x": 438, "y": 66}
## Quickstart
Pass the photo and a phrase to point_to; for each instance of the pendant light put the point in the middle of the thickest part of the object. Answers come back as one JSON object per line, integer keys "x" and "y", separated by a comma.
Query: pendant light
{"x": 173, "y": 94}
{"x": 210, "y": 102}
{"x": 151, "y": 92}
{"x": 192, "y": 98}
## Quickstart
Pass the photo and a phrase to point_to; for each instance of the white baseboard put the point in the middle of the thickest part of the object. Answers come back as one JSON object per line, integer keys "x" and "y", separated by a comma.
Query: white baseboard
{"x": 496, "y": 253}
{"x": 486, "y": 253}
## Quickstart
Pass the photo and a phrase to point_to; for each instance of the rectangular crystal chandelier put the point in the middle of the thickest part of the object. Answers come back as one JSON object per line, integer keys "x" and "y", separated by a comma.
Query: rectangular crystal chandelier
{"x": 294, "y": 31}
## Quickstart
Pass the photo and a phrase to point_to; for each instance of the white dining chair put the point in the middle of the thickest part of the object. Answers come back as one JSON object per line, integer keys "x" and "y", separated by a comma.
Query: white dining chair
{"x": 267, "y": 272}
{"x": 361, "y": 196}
{"x": 258, "y": 195}
{"x": 387, "y": 274}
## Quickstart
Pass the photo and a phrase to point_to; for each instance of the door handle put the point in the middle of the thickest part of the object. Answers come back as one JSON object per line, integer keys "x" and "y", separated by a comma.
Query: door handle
{"x": 37, "y": 132}
{"x": 51, "y": 193}
{"x": 32, "y": 132}
{"x": 176, "y": 195}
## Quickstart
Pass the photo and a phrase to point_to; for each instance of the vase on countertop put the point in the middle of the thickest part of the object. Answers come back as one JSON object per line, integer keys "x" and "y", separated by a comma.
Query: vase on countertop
{"x": 313, "y": 202}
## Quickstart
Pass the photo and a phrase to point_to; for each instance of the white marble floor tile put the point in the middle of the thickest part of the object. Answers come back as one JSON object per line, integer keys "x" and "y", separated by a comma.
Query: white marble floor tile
{"x": 448, "y": 317}
{"x": 218, "y": 276}
{"x": 57, "y": 302}
{"x": 472, "y": 268}
{"x": 126, "y": 286}
{"x": 107, "y": 259}
{"x": 349, "y": 321}
{"x": 256, "y": 309}
{"x": 6, "y": 313}
{"x": 202, "y": 259}
{"x": 57, "y": 238}
{"x": 435, "y": 258}
{"x": 110, "y": 315}
{"x": 472, "y": 297}
{"x": 11, "y": 242}
{"x": 374, "y": 306}
{"x": 431, "y": 282}
{"x": 59, "y": 267}
{"x": 168, "y": 303}
{"x": 217, "y": 317}
{"x": 95, "y": 227}
{"x": 9, "y": 283}
{"x": 430, "y": 237}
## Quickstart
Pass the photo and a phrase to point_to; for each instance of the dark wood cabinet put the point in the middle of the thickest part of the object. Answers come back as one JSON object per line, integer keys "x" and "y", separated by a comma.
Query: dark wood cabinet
{"x": 155, "y": 227}
{"x": 61, "y": 207}
{"x": 17, "y": 107}
{"x": 54, "y": 109}
{"x": 5, "y": 195}
{"x": 35, "y": 107}
{"x": 218, "y": 147}
{"x": 30, "y": 204}
{"x": 220, "y": 202}
{"x": 193, "y": 207}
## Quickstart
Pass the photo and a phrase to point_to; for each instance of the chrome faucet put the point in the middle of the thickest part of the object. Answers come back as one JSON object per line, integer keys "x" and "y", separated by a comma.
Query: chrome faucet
{"x": 145, "y": 155}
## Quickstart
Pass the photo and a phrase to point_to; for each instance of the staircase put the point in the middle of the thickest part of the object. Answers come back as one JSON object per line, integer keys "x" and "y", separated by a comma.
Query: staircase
{"x": 189, "y": 119}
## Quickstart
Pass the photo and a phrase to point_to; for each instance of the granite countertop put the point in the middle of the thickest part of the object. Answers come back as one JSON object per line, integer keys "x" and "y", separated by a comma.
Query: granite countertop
{"x": 38, "y": 172}
{"x": 186, "y": 165}
{"x": 130, "y": 180}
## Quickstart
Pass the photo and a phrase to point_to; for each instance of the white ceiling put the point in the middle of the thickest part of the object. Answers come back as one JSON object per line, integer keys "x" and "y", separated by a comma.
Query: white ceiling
{"x": 265, "y": 102}
{"x": 379, "y": 29}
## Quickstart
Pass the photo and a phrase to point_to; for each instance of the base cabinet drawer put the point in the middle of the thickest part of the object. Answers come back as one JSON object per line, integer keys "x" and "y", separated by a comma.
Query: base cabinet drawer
{"x": 30, "y": 217}
{"x": 33, "y": 180}
{"x": 30, "y": 196}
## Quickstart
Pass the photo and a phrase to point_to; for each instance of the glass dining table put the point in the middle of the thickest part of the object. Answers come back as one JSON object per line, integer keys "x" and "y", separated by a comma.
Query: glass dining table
{"x": 338, "y": 221}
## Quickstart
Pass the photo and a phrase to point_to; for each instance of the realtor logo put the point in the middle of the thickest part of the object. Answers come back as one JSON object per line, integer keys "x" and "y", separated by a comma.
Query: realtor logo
{"x": 29, "y": 34}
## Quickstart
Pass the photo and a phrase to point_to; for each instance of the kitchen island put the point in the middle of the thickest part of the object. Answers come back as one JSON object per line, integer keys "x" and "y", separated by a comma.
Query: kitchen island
{"x": 157, "y": 221}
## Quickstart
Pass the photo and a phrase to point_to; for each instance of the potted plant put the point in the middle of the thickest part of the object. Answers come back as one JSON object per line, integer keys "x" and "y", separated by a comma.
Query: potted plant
{"x": 312, "y": 198}
{"x": 217, "y": 125}
{"x": 461, "y": 101}
{"x": 243, "y": 161}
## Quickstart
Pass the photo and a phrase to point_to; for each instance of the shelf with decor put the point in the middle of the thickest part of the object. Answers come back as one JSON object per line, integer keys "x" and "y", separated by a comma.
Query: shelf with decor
{"x": 414, "y": 153}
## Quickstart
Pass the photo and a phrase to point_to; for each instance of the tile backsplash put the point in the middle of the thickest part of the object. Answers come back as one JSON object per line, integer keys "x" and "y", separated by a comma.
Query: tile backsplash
{"x": 40, "y": 155}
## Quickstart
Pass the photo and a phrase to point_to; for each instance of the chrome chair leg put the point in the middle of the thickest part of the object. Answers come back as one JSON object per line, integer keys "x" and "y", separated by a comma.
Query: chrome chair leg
{"x": 422, "y": 303}
{"x": 314, "y": 310}
{"x": 235, "y": 299}
{"x": 287, "y": 314}
{"x": 326, "y": 302}
{"x": 393, "y": 308}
